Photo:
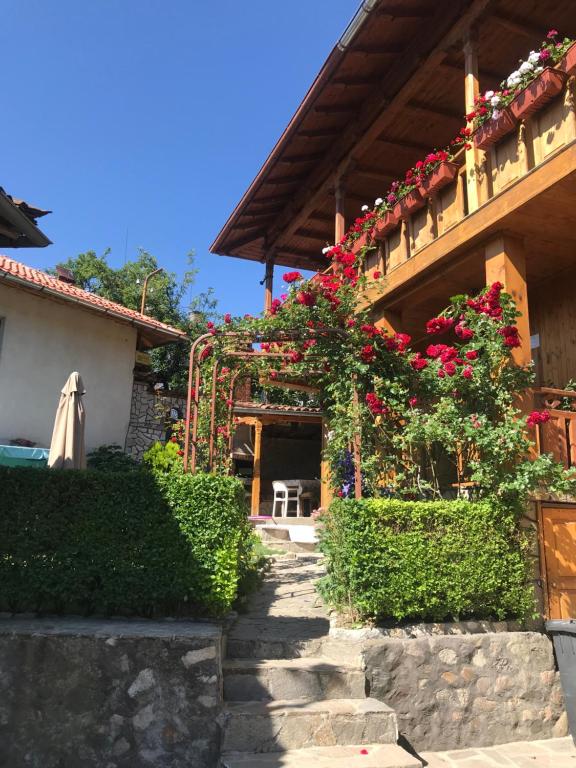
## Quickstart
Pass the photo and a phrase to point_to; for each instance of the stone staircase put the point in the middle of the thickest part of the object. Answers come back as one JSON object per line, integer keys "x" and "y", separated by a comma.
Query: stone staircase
{"x": 292, "y": 698}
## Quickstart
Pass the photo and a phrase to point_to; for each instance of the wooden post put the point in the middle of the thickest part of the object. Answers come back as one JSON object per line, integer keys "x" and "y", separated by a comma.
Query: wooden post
{"x": 339, "y": 214}
{"x": 269, "y": 281}
{"x": 476, "y": 175}
{"x": 505, "y": 262}
{"x": 388, "y": 321}
{"x": 325, "y": 488}
{"x": 255, "y": 505}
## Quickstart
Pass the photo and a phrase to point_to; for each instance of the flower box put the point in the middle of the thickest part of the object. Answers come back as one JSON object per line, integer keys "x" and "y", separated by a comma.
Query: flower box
{"x": 543, "y": 89}
{"x": 410, "y": 203}
{"x": 361, "y": 242}
{"x": 385, "y": 225}
{"x": 440, "y": 177}
{"x": 494, "y": 129}
{"x": 568, "y": 63}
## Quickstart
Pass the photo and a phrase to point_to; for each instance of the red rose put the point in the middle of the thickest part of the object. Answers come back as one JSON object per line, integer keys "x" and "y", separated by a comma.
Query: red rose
{"x": 538, "y": 417}
{"x": 367, "y": 353}
{"x": 291, "y": 277}
{"x": 227, "y": 318}
{"x": 471, "y": 354}
{"x": 376, "y": 274}
{"x": 438, "y": 325}
{"x": 464, "y": 333}
{"x": 467, "y": 372}
{"x": 418, "y": 362}
{"x": 450, "y": 368}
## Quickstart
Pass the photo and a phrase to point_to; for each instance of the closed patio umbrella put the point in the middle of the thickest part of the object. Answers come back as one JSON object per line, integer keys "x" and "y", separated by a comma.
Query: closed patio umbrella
{"x": 67, "y": 447}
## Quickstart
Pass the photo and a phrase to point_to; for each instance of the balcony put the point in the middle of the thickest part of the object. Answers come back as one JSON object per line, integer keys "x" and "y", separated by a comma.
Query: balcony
{"x": 511, "y": 187}
{"x": 558, "y": 435}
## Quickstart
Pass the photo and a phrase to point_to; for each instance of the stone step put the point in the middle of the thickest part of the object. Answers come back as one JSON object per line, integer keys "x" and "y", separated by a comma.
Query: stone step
{"x": 278, "y": 726}
{"x": 286, "y": 545}
{"x": 304, "y": 678}
{"x": 378, "y": 756}
{"x": 277, "y": 637}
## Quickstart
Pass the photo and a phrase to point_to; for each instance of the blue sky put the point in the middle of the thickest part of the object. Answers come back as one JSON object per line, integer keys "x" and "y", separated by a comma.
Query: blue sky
{"x": 142, "y": 122}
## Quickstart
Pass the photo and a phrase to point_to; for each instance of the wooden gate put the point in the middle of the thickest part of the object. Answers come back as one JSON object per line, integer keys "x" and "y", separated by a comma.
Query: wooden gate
{"x": 559, "y": 545}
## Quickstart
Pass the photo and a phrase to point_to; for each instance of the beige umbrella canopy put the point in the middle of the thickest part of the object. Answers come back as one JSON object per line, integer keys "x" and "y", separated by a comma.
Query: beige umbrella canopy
{"x": 67, "y": 447}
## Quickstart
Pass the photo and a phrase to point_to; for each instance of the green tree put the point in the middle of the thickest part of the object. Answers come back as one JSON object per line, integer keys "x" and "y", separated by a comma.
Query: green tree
{"x": 165, "y": 300}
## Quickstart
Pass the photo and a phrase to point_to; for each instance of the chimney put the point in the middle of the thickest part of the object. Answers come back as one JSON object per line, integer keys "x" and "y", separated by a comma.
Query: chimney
{"x": 65, "y": 275}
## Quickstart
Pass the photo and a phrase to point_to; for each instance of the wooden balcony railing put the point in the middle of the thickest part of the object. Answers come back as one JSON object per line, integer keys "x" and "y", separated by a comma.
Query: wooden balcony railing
{"x": 532, "y": 142}
{"x": 558, "y": 435}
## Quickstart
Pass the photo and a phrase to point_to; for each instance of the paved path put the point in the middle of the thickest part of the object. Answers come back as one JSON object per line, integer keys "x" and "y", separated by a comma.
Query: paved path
{"x": 552, "y": 753}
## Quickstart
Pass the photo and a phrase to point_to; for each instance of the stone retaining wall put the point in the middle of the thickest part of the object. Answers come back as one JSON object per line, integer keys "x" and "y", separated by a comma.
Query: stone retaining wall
{"x": 469, "y": 689}
{"x": 109, "y": 694}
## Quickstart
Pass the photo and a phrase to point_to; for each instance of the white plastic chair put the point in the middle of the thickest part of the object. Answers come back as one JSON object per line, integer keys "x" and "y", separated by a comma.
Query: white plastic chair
{"x": 284, "y": 495}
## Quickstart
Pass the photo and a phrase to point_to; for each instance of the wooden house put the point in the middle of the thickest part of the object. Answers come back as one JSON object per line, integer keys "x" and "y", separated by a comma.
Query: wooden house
{"x": 396, "y": 86}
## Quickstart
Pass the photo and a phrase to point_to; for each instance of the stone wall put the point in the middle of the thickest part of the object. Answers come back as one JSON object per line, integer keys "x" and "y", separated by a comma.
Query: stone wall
{"x": 472, "y": 689}
{"x": 149, "y": 415}
{"x": 109, "y": 694}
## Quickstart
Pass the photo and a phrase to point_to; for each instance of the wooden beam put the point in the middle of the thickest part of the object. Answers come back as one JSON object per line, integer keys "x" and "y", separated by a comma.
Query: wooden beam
{"x": 378, "y": 49}
{"x": 270, "y": 200}
{"x": 401, "y": 11}
{"x": 369, "y": 172}
{"x": 293, "y": 159}
{"x": 355, "y": 81}
{"x": 312, "y": 234}
{"x": 239, "y": 242}
{"x": 337, "y": 109}
{"x": 262, "y": 212}
{"x": 505, "y": 262}
{"x": 319, "y": 216}
{"x": 405, "y": 79}
{"x": 484, "y": 74}
{"x": 432, "y": 109}
{"x": 294, "y": 179}
{"x": 255, "y": 505}
{"x": 517, "y": 26}
{"x": 418, "y": 146}
{"x": 320, "y": 133}
{"x": 474, "y": 157}
{"x": 339, "y": 210}
{"x": 292, "y": 385}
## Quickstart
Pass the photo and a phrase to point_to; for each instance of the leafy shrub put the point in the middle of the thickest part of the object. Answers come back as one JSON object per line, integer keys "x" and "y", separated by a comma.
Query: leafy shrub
{"x": 111, "y": 458}
{"x": 125, "y": 543}
{"x": 431, "y": 561}
{"x": 163, "y": 457}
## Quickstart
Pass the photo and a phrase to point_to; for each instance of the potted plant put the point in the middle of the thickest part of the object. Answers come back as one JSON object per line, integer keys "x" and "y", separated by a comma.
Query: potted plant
{"x": 540, "y": 91}
{"x": 441, "y": 173}
{"x": 385, "y": 224}
{"x": 361, "y": 242}
{"x": 496, "y": 127}
{"x": 409, "y": 203}
{"x": 568, "y": 63}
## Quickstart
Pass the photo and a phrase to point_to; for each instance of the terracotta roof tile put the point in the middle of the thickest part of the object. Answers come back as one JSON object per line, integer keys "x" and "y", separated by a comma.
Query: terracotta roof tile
{"x": 40, "y": 280}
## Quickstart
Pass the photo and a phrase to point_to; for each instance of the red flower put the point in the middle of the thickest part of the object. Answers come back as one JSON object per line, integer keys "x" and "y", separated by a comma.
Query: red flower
{"x": 296, "y": 357}
{"x": 510, "y": 335}
{"x": 291, "y": 277}
{"x": 438, "y": 325}
{"x": 471, "y": 354}
{"x": 351, "y": 323}
{"x": 180, "y": 453}
{"x": 173, "y": 439}
{"x": 448, "y": 354}
{"x": 369, "y": 330}
{"x": 552, "y": 34}
{"x": 441, "y": 373}
{"x": 227, "y": 318}
{"x": 376, "y": 274}
{"x": 375, "y": 405}
{"x": 435, "y": 350}
{"x": 450, "y": 368}
{"x": 275, "y": 307}
{"x": 467, "y": 372}
{"x": 413, "y": 402}
{"x": 464, "y": 333}
{"x": 402, "y": 341}
{"x": 418, "y": 362}
{"x": 538, "y": 417}
{"x": 306, "y": 298}
{"x": 367, "y": 353}
{"x": 206, "y": 352}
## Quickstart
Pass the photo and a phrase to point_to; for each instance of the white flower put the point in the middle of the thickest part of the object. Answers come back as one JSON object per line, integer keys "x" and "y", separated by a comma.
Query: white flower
{"x": 534, "y": 57}
{"x": 328, "y": 248}
{"x": 365, "y": 208}
{"x": 525, "y": 67}
{"x": 538, "y": 70}
{"x": 513, "y": 79}
{"x": 495, "y": 100}
{"x": 488, "y": 95}
{"x": 378, "y": 201}
{"x": 496, "y": 114}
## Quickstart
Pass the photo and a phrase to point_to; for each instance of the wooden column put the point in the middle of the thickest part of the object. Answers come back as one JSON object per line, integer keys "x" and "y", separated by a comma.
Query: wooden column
{"x": 325, "y": 488}
{"x": 505, "y": 261}
{"x": 388, "y": 321}
{"x": 339, "y": 213}
{"x": 268, "y": 281}
{"x": 476, "y": 176}
{"x": 255, "y": 505}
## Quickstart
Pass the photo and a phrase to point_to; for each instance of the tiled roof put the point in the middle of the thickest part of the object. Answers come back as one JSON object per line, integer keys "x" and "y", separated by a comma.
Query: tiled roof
{"x": 252, "y": 406}
{"x": 52, "y": 286}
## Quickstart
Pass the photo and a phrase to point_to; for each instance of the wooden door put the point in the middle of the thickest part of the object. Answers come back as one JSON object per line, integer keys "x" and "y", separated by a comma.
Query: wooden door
{"x": 559, "y": 535}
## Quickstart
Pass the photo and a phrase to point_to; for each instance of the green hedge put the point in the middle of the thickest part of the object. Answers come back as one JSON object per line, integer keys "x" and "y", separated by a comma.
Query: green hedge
{"x": 426, "y": 561}
{"x": 121, "y": 543}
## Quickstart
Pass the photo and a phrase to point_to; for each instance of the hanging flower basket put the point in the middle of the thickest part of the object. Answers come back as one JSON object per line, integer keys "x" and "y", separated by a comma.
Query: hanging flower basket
{"x": 440, "y": 177}
{"x": 409, "y": 204}
{"x": 543, "y": 89}
{"x": 494, "y": 129}
{"x": 385, "y": 225}
{"x": 568, "y": 63}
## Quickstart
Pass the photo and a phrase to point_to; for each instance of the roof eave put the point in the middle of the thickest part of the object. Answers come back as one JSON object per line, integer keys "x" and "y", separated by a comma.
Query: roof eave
{"x": 11, "y": 212}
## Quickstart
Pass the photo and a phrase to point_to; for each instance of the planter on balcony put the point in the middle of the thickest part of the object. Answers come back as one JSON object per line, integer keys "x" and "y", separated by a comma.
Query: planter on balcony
{"x": 494, "y": 129}
{"x": 361, "y": 242}
{"x": 440, "y": 177}
{"x": 385, "y": 225}
{"x": 410, "y": 203}
{"x": 540, "y": 91}
{"x": 568, "y": 63}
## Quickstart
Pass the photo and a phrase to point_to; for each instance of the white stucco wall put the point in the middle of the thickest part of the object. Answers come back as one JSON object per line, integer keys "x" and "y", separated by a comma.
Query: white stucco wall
{"x": 41, "y": 343}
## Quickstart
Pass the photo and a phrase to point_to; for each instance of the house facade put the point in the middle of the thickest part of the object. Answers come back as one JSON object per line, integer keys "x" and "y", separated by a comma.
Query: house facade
{"x": 396, "y": 87}
{"x": 49, "y": 328}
